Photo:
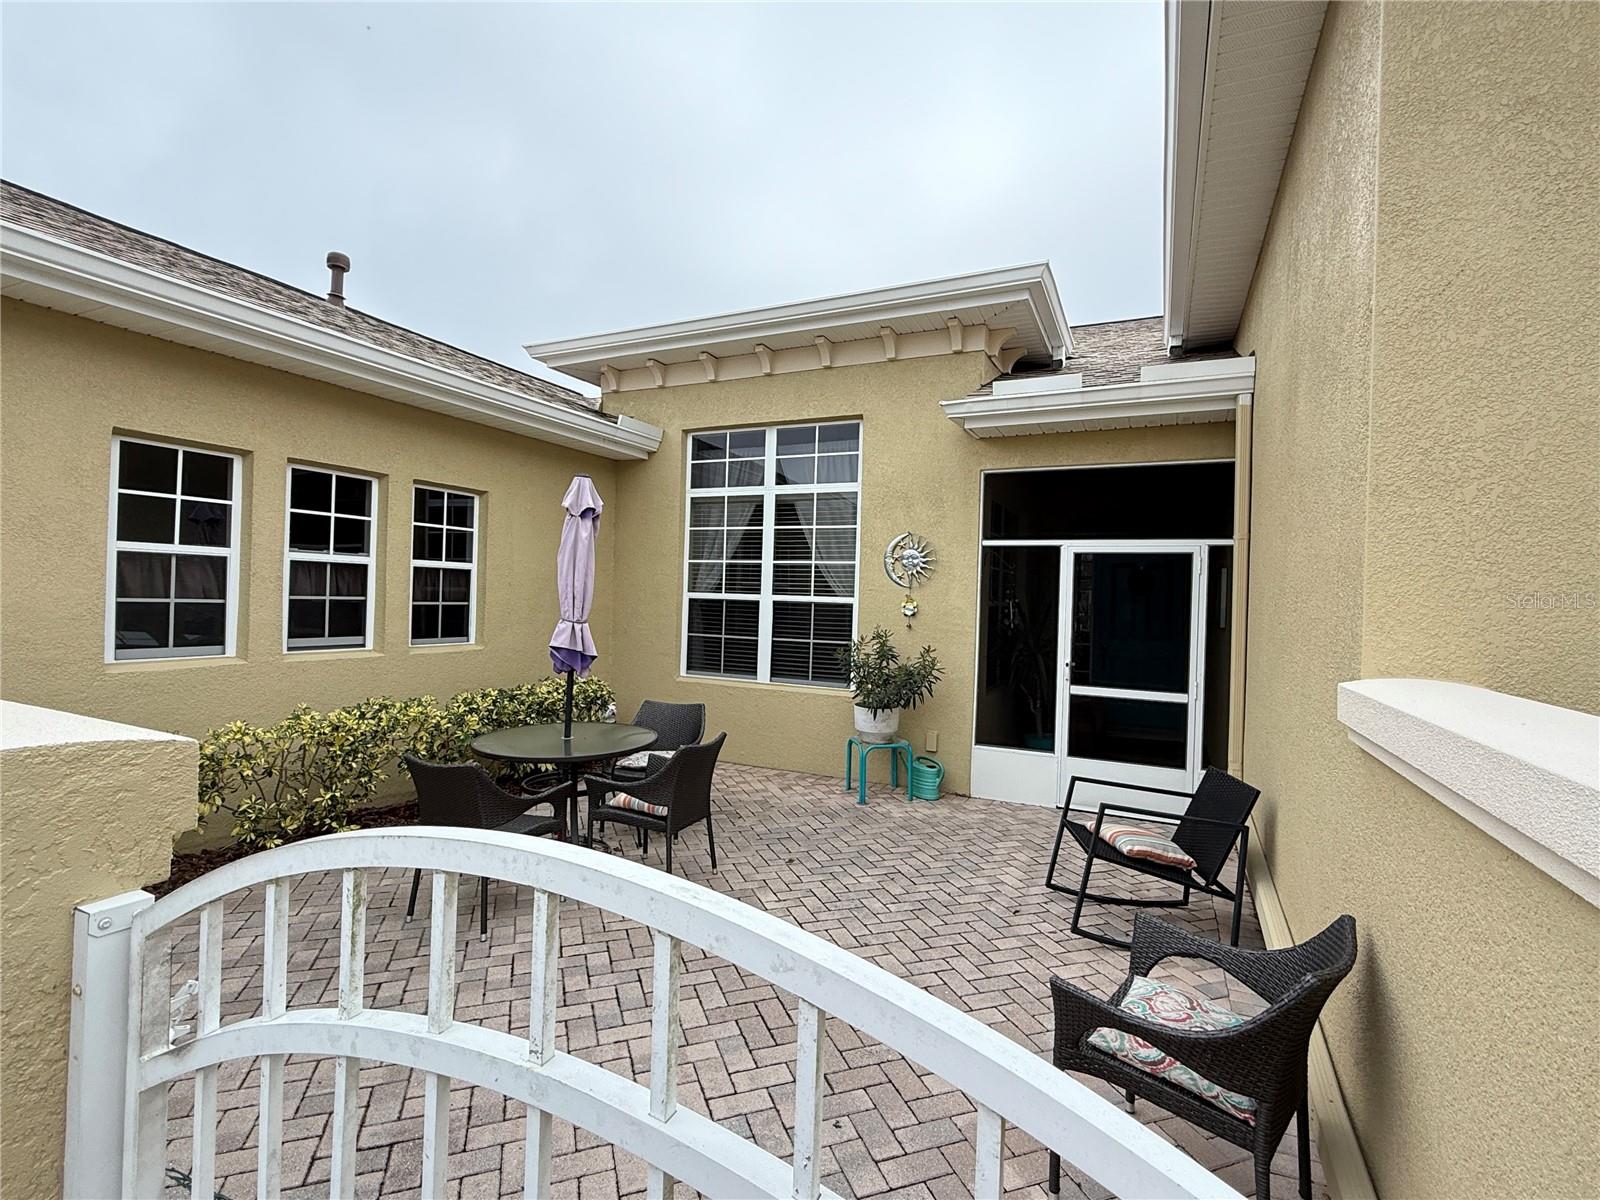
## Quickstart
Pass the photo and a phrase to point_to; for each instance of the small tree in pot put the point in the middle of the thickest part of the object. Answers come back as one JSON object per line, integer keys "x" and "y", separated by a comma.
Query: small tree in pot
{"x": 884, "y": 685}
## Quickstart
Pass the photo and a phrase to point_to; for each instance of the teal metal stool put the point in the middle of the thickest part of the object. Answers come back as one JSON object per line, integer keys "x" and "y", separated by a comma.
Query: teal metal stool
{"x": 855, "y": 754}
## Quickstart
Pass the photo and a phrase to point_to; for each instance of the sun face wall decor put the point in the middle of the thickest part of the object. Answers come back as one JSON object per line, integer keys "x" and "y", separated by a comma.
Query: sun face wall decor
{"x": 908, "y": 561}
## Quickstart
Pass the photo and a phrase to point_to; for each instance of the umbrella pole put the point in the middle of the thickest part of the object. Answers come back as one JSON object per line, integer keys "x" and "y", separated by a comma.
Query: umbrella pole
{"x": 566, "y": 731}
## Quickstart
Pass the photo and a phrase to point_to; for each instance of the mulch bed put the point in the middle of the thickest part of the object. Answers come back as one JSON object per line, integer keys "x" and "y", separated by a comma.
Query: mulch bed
{"x": 190, "y": 866}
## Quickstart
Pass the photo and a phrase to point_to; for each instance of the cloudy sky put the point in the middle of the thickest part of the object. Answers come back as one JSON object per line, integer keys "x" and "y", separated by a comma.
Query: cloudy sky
{"x": 510, "y": 173}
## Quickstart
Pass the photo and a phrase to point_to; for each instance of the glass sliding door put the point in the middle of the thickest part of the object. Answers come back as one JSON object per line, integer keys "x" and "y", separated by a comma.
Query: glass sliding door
{"x": 1130, "y": 668}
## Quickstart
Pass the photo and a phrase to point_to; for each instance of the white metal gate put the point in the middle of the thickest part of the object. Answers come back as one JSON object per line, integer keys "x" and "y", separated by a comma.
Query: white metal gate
{"x": 123, "y": 1058}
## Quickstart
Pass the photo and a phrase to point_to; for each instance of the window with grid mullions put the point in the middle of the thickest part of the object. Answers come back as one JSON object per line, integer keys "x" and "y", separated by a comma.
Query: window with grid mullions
{"x": 770, "y": 558}
{"x": 328, "y": 561}
{"x": 444, "y": 563}
{"x": 173, "y": 578}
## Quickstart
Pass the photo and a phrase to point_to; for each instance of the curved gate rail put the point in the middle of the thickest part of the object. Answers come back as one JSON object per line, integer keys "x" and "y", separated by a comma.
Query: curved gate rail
{"x": 1006, "y": 1083}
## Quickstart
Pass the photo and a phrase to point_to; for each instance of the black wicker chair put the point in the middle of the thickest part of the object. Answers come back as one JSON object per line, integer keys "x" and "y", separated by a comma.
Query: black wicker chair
{"x": 680, "y": 784}
{"x": 463, "y": 795}
{"x": 675, "y": 726}
{"x": 1216, "y": 817}
{"x": 1263, "y": 1058}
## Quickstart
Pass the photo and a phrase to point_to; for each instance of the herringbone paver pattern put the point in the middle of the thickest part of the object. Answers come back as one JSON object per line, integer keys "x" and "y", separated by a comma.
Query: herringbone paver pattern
{"x": 946, "y": 895}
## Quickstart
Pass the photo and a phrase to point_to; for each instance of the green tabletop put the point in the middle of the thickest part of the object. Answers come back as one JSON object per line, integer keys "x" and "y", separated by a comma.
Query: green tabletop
{"x": 592, "y": 741}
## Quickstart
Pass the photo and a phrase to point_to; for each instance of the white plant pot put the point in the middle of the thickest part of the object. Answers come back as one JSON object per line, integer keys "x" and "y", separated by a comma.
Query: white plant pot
{"x": 879, "y": 727}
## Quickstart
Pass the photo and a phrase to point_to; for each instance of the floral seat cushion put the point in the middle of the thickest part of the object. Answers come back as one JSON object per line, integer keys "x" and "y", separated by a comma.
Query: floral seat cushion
{"x": 1166, "y": 1005}
{"x": 633, "y": 803}
{"x": 1136, "y": 842}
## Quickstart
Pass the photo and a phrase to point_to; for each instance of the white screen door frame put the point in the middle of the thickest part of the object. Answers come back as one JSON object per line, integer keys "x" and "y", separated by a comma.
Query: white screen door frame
{"x": 1183, "y": 778}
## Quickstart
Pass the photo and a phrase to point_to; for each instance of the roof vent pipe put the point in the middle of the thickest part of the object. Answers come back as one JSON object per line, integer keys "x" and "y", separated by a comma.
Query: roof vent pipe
{"x": 338, "y": 264}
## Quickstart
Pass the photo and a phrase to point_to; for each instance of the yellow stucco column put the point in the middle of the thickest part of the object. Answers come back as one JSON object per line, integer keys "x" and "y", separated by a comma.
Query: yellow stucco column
{"x": 88, "y": 809}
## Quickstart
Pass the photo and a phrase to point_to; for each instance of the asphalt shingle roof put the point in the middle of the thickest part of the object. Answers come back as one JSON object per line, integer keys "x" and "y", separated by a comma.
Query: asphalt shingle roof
{"x": 54, "y": 218}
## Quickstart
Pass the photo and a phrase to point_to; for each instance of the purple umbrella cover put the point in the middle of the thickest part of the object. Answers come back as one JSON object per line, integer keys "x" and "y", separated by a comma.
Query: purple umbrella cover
{"x": 572, "y": 646}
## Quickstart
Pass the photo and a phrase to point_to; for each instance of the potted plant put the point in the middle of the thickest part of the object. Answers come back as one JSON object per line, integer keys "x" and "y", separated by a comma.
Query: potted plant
{"x": 884, "y": 685}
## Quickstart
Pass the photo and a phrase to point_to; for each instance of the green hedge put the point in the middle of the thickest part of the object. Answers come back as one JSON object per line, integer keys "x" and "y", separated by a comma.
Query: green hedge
{"x": 307, "y": 774}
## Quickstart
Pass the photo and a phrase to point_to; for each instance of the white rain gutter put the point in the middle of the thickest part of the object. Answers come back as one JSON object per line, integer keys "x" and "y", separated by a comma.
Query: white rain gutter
{"x": 1167, "y": 394}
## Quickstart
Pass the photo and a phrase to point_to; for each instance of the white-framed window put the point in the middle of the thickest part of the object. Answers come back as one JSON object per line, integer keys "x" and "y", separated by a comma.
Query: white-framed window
{"x": 770, "y": 552}
{"x": 172, "y": 576}
{"x": 330, "y": 540}
{"x": 444, "y": 565}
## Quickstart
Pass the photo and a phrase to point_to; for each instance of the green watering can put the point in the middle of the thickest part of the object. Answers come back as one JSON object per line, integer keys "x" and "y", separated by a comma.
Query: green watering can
{"x": 926, "y": 776}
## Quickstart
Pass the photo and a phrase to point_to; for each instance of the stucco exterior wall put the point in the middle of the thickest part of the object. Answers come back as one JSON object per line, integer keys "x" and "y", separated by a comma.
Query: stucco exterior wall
{"x": 69, "y": 384}
{"x": 919, "y": 471}
{"x": 1424, "y": 450}
{"x": 67, "y": 780}
{"x": 1483, "y": 555}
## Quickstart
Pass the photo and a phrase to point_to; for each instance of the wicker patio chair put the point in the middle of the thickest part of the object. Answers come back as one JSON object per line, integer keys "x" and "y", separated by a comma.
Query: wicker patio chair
{"x": 1261, "y": 1059}
{"x": 674, "y": 794}
{"x": 463, "y": 796}
{"x": 1215, "y": 819}
{"x": 675, "y": 726}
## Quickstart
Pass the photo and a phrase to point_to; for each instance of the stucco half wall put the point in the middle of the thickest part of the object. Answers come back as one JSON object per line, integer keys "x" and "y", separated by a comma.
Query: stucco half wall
{"x": 90, "y": 809}
{"x": 919, "y": 471}
{"x": 69, "y": 384}
{"x": 1409, "y": 487}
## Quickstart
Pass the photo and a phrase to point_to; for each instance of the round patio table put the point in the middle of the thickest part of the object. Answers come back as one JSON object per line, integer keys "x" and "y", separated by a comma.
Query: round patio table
{"x": 593, "y": 743}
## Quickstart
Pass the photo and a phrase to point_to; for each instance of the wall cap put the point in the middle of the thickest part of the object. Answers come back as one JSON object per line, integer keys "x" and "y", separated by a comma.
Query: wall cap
{"x": 26, "y": 726}
{"x": 1524, "y": 772}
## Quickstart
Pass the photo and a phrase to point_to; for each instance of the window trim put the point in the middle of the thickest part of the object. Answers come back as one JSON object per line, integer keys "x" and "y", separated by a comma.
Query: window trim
{"x": 230, "y": 619}
{"x": 472, "y": 568}
{"x": 369, "y": 560}
{"x": 769, "y": 491}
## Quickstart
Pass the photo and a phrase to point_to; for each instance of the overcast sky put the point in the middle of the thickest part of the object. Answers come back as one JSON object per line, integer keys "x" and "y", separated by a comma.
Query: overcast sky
{"x": 505, "y": 174}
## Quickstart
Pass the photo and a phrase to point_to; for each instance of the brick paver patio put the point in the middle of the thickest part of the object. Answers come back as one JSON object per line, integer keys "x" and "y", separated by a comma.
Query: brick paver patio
{"x": 946, "y": 895}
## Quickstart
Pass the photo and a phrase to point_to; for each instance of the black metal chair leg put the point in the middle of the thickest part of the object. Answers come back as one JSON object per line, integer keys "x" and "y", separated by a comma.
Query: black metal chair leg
{"x": 1077, "y": 909}
{"x": 671, "y": 837}
{"x": 483, "y": 908}
{"x": 1061, "y": 829}
{"x": 1054, "y": 1187}
{"x": 416, "y": 881}
{"x": 1129, "y": 1094}
{"x": 1302, "y": 1129}
{"x": 711, "y": 841}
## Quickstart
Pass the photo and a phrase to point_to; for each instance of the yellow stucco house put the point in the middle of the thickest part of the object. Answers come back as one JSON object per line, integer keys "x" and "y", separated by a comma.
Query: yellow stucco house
{"x": 1331, "y": 522}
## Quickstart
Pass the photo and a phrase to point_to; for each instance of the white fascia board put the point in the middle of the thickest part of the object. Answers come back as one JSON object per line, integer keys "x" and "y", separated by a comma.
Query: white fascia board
{"x": 1038, "y": 385}
{"x": 1032, "y": 285}
{"x": 1207, "y": 391}
{"x": 1240, "y": 367}
{"x": 176, "y": 310}
{"x": 1526, "y": 773}
{"x": 1188, "y": 35}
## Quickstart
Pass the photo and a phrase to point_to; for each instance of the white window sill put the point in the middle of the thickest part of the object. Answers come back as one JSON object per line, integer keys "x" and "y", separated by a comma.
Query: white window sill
{"x": 1526, "y": 773}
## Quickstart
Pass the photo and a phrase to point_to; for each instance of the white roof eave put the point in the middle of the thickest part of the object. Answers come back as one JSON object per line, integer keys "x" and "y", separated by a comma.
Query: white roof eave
{"x": 1170, "y": 393}
{"x": 37, "y": 268}
{"x": 1030, "y": 289}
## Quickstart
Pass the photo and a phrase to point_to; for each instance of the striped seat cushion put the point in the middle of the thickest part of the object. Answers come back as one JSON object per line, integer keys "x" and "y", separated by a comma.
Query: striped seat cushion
{"x": 623, "y": 800}
{"x": 1135, "y": 842}
{"x": 1163, "y": 1004}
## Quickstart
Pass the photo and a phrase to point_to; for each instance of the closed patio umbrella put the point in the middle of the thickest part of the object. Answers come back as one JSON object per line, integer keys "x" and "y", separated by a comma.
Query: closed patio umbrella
{"x": 572, "y": 648}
